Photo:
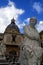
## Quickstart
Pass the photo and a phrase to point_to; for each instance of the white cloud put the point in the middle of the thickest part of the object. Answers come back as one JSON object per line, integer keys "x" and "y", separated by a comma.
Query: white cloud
{"x": 37, "y": 6}
{"x": 21, "y": 25}
{"x": 28, "y": 19}
{"x": 25, "y": 22}
{"x": 40, "y": 26}
{"x": 7, "y": 13}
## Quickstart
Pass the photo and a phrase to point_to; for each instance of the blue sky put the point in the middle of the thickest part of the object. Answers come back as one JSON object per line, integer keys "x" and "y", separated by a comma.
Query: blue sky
{"x": 22, "y": 11}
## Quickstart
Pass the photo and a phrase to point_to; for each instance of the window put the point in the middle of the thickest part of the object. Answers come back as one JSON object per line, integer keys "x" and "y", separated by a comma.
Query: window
{"x": 13, "y": 38}
{"x": 0, "y": 39}
{"x": 42, "y": 45}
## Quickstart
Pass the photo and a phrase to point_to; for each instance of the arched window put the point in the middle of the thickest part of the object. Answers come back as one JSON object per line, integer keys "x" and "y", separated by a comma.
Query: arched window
{"x": 42, "y": 45}
{"x": 13, "y": 38}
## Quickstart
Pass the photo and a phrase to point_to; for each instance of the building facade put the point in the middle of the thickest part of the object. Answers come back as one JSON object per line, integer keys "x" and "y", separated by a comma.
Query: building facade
{"x": 10, "y": 41}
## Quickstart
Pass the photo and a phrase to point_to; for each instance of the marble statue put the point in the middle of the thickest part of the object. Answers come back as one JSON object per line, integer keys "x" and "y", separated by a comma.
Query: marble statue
{"x": 30, "y": 53}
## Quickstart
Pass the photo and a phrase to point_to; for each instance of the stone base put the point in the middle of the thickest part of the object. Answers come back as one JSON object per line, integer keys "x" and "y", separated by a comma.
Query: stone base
{"x": 3, "y": 60}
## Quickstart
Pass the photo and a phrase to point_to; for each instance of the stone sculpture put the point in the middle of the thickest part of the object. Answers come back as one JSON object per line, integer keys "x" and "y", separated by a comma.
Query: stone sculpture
{"x": 31, "y": 50}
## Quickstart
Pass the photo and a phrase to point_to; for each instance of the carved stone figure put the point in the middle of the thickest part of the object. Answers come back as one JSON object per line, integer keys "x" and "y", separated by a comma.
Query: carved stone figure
{"x": 30, "y": 47}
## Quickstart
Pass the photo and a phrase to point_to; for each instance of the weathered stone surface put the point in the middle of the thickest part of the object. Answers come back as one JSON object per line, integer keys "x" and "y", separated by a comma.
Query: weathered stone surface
{"x": 30, "y": 47}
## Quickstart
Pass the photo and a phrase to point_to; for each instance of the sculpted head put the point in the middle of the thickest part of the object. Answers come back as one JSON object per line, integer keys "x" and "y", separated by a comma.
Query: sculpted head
{"x": 33, "y": 21}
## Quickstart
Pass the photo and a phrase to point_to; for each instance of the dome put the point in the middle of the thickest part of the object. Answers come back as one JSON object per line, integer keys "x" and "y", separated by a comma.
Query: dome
{"x": 12, "y": 27}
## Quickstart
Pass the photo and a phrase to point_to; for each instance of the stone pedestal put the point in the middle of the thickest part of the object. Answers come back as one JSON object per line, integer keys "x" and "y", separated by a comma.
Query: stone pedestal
{"x": 3, "y": 60}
